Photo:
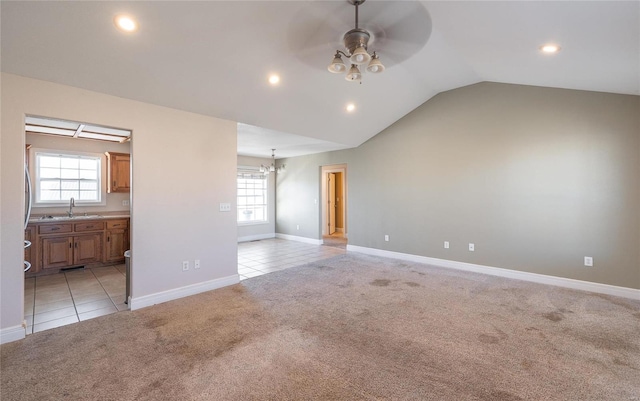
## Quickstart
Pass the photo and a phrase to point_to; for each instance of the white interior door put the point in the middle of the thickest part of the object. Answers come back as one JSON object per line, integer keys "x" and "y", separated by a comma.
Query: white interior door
{"x": 331, "y": 184}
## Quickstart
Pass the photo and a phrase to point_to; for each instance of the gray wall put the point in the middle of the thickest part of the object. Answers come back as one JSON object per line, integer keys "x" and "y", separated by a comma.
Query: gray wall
{"x": 298, "y": 194}
{"x": 537, "y": 178}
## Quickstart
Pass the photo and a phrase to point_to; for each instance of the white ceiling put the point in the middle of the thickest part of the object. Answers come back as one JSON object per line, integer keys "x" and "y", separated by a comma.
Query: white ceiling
{"x": 214, "y": 57}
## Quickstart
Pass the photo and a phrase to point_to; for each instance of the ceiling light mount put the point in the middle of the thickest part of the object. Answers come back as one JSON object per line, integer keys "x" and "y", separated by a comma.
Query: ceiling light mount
{"x": 356, "y": 42}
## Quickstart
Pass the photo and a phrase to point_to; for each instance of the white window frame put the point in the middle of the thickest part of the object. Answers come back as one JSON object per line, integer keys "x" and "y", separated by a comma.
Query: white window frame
{"x": 254, "y": 171}
{"x": 35, "y": 177}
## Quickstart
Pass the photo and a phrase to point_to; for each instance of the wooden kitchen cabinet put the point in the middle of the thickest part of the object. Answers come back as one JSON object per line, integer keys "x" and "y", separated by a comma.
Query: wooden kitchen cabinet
{"x": 116, "y": 240}
{"x": 87, "y": 249}
{"x": 60, "y": 245}
{"x": 118, "y": 172}
{"x": 67, "y": 251}
{"x": 57, "y": 252}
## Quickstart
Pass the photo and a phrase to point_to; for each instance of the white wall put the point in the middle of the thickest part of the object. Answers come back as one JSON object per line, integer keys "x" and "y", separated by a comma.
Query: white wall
{"x": 266, "y": 230}
{"x": 183, "y": 166}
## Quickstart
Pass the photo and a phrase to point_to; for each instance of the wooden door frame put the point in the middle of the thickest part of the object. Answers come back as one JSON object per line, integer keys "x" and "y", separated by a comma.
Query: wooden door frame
{"x": 324, "y": 170}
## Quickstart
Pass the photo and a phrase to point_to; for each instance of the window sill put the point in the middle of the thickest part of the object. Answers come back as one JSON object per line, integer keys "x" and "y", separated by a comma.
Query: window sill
{"x": 252, "y": 223}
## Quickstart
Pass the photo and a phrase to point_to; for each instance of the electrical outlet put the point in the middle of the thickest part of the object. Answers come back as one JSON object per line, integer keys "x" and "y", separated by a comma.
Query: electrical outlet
{"x": 297, "y": 226}
{"x": 125, "y": 202}
{"x": 588, "y": 261}
{"x": 446, "y": 245}
{"x": 472, "y": 247}
{"x": 225, "y": 207}
{"x": 196, "y": 264}
{"x": 386, "y": 238}
{"x": 185, "y": 265}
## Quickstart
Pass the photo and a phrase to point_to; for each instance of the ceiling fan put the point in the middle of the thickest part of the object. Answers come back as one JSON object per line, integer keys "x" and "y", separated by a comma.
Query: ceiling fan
{"x": 356, "y": 43}
{"x": 392, "y": 30}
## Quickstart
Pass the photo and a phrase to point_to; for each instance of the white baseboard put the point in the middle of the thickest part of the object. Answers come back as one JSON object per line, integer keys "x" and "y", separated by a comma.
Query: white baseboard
{"x": 256, "y": 237}
{"x": 11, "y": 334}
{"x": 300, "y": 239}
{"x": 176, "y": 293}
{"x": 624, "y": 292}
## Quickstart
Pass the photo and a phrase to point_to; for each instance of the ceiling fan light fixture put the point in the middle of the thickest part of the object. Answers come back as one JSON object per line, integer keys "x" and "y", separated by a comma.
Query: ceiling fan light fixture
{"x": 354, "y": 74}
{"x": 337, "y": 65}
{"x": 355, "y": 43}
{"x": 375, "y": 66}
{"x": 360, "y": 56}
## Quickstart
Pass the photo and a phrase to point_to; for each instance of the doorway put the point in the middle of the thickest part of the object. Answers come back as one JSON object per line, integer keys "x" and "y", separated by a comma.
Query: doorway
{"x": 334, "y": 205}
{"x": 79, "y": 224}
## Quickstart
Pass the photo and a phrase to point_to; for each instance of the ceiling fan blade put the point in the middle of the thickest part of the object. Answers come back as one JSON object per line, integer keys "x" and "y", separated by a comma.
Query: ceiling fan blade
{"x": 317, "y": 30}
{"x": 401, "y": 33}
{"x": 398, "y": 29}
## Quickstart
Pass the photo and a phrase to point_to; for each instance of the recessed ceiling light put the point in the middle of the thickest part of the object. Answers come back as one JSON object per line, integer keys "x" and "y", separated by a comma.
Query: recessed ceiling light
{"x": 274, "y": 79}
{"x": 351, "y": 107}
{"x": 550, "y": 48}
{"x": 125, "y": 23}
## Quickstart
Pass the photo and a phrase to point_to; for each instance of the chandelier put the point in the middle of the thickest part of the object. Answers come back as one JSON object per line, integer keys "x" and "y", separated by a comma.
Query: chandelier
{"x": 272, "y": 167}
{"x": 356, "y": 42}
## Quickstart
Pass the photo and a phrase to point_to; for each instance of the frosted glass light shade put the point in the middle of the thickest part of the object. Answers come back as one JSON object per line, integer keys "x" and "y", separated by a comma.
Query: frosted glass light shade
{"x": 375, "y": 66}
{"x": 360, "y": 56}
{"x": 353, "y": 74}
{"x": 337, "y": 66}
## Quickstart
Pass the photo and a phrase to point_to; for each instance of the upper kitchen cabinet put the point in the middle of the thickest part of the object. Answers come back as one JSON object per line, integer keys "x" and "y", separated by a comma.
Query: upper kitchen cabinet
{"x": 118, "y": 172}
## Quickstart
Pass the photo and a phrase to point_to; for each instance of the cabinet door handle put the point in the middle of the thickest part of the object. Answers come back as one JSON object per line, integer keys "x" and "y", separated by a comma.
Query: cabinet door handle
{"x": 108, "y": 239}
{"x": 116, "y": 225}
{"x": 76, "y": 245}
{"x": 70, "y": 245}
{"x": 55, "y": 228}
{"x": 114, "y": 184}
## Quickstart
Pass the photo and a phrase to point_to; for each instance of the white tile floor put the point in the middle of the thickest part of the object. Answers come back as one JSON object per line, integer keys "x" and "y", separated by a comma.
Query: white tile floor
{"x": 256, "y": 258}
{"x": 77, "y": 295}
{"x": 73, "y": 296}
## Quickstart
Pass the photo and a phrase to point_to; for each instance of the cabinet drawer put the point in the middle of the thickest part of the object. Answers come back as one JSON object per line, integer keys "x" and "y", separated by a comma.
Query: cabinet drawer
{"x": 89, "y": 226}
{"x": 54, "y": 228}
{"x": 124, "y": 223}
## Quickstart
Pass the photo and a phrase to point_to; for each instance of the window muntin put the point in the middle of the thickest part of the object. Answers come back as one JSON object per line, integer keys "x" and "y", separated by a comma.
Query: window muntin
{"x": 61, "y": 176}
{"x": 252, "y": 197}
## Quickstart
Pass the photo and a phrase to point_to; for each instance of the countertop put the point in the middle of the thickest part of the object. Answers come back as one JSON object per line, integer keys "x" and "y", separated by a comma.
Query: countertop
{"x": 78, "y": 217}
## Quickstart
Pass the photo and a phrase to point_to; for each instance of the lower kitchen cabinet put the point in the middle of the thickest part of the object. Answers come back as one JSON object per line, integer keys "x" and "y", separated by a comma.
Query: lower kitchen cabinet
{"x": 87, "y": 249}
{"x": 68, "y": 244}
{"x": 116, "y": 242}
{"x": 61, "y": 252}
{"x": 56, "y": 252}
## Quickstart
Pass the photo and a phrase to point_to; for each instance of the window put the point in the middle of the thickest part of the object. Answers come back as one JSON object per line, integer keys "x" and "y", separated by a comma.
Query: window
{"x": 60, "y": 177}
{"x": 252, "y": 197}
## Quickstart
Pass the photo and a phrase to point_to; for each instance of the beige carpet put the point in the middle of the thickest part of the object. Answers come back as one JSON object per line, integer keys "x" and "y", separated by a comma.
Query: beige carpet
{"x": 352, "y": 327}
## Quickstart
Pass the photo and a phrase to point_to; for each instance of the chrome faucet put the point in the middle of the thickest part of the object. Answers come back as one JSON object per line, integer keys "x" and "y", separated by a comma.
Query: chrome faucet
{"x": 72, "y": 203}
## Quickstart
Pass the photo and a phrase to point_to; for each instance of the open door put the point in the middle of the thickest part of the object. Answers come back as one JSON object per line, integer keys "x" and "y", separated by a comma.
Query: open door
{"x": 331, "y": 195}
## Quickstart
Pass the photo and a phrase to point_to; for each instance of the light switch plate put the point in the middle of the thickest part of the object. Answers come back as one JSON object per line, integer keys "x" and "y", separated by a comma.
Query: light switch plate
{"x": 225, "y": 207}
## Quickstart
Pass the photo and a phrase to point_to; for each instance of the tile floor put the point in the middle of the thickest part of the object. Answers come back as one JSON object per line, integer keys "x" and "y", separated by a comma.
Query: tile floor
{"x": 77, "y": 295}
{"x": 73, "y": 296}
{"x": 256, "y": 258}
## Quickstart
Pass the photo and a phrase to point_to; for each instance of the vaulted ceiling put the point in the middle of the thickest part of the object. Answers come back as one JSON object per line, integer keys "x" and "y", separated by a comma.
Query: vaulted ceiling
{"x": 215, "y": 57}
